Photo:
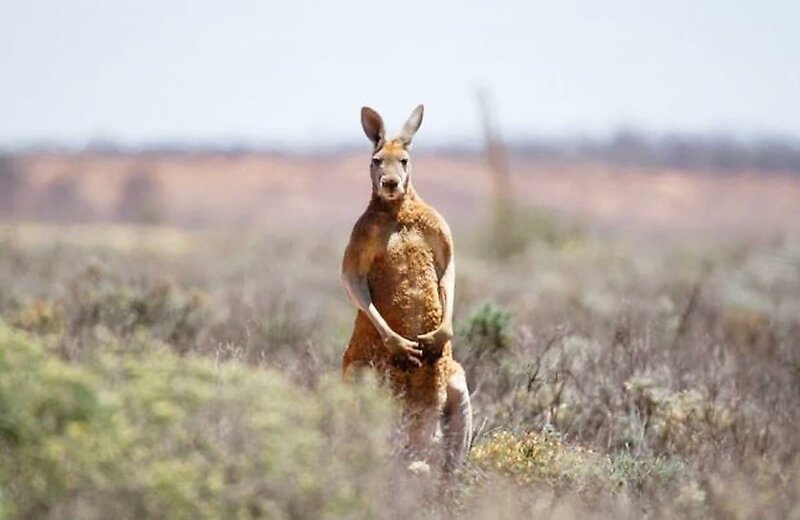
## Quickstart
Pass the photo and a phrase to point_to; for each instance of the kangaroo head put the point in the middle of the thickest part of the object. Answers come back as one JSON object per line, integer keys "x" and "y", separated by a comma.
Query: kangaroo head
{"x": 390, "y": 166}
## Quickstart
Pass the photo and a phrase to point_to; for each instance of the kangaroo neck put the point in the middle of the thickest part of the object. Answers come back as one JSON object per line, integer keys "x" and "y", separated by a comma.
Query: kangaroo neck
{"x": 395, "y": 207}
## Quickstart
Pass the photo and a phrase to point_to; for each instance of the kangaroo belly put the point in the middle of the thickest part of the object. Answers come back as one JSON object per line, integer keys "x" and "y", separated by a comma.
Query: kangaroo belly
{"x": 405, "y": 286}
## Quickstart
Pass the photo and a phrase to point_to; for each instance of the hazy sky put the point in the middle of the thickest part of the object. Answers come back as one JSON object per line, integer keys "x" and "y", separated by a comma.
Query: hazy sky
{"x": 298, "y": 71}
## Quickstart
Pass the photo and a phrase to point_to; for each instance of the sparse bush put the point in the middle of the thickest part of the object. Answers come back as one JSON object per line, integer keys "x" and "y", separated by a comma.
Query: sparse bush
{"x": 270, "y": 327}
{"x": 484, "y": 345}
{"x": 675, "y": 421}
{"x": 282, "y": 327}
{"x": 513, "y": 229}
{"x": 40, "y": 317}
{"x": 539, "y": 458}
{"x": 546, "y": 460}
{"x": 667, "y": 483}
{"x": 167, "y": 311}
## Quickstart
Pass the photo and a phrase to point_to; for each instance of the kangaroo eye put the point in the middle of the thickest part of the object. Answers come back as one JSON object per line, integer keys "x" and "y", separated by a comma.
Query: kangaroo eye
{"x": 376, "y": 161}
{"x": 404, "y": 162}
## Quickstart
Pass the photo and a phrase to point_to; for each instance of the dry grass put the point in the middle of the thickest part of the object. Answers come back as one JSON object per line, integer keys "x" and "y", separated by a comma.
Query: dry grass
{"x": 611, "y": 378}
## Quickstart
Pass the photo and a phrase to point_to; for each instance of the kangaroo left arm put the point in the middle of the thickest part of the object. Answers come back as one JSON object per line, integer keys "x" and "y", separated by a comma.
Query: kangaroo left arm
{"x": 447, "y": 286}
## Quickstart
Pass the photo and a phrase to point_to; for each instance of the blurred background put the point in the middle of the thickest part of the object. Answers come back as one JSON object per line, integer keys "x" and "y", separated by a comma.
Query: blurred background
{"x": 178, "y": 181}
{"x": 674, "y": 116}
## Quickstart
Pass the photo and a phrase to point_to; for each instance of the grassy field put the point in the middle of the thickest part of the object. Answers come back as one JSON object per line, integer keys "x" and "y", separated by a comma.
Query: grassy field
{"x": 149, "y": 371}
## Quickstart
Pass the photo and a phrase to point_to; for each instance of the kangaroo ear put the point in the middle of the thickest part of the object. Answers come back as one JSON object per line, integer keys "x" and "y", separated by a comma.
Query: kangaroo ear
{"x": 372, "y": 123}
{"x": 411, "y": 126}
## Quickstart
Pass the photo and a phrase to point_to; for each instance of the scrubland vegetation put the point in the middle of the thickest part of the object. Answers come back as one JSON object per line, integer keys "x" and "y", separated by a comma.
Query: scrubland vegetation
{"x": 150, "y": 372}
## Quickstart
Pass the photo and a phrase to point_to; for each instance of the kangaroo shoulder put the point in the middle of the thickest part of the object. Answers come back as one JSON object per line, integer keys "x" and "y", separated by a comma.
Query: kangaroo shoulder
{"x": 366, "y": 227}
{"x": 433, "y": 223}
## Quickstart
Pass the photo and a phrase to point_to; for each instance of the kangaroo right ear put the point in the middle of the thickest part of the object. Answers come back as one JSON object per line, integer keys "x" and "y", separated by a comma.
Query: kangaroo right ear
{"x": 411, "y": 126}
{"x": 372, "y": 123}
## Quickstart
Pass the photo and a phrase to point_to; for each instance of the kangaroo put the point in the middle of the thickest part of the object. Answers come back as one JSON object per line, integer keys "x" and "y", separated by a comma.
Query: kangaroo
{"x": 398, "y": 269}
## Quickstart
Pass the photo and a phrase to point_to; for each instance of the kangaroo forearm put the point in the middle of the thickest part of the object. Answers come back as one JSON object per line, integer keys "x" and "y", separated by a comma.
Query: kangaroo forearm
{"x": 377, "y": 320}
{"x": 359, "y": 293}
{"x": 448, "y": 287}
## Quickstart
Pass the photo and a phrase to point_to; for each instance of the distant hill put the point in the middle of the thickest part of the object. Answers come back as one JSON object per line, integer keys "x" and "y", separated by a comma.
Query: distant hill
{"x": 689, "y": 152}
{"x": 328, "y": 192}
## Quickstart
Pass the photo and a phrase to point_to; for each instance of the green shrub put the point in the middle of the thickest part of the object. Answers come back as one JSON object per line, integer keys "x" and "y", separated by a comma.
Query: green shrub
{"x": 488, "y": 330}
{"x": 150, "y": 434}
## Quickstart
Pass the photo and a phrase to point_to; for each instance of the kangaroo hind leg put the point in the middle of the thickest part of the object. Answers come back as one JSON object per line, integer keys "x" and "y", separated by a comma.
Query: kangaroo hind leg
{"x": 457, "y": 421}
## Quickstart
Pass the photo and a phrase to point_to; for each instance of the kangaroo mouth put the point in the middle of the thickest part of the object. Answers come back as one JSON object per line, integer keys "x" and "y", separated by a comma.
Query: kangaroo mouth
{"x": 391, "y": 193}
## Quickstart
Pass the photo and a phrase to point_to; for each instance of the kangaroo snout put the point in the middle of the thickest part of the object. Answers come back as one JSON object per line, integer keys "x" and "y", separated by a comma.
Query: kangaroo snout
{"x": 390, "y": 183}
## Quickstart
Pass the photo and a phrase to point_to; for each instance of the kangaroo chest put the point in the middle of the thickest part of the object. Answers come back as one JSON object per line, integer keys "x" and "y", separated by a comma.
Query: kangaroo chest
{"x": 404, "y": 282}
{"x": 408, "y": 253}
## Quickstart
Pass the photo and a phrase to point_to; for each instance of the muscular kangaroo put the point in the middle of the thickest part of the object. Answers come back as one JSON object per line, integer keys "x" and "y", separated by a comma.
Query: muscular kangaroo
{"x": 398, "y": 269}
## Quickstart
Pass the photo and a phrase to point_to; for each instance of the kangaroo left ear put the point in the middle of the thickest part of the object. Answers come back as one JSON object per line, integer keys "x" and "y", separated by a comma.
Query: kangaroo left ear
{"x": 411, "y": 126}
{"x": 372, "y": 122}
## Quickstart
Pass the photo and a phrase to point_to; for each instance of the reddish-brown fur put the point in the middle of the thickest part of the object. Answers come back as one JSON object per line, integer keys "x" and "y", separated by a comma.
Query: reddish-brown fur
{"x": 408, "y": 242}
{"x": 399, "y": 270}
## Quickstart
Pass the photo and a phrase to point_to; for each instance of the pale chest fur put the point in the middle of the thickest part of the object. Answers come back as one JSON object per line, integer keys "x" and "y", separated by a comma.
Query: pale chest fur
{"x": 404, "y": 281}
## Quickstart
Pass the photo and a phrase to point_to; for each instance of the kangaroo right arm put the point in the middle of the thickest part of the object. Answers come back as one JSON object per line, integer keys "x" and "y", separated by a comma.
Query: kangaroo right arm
{"x": 358, "y": 258}
{"x": 358, "y": 290}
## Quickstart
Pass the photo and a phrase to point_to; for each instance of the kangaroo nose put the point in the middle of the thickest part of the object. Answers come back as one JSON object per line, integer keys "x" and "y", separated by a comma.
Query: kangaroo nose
{"x": 389, "y": 183}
